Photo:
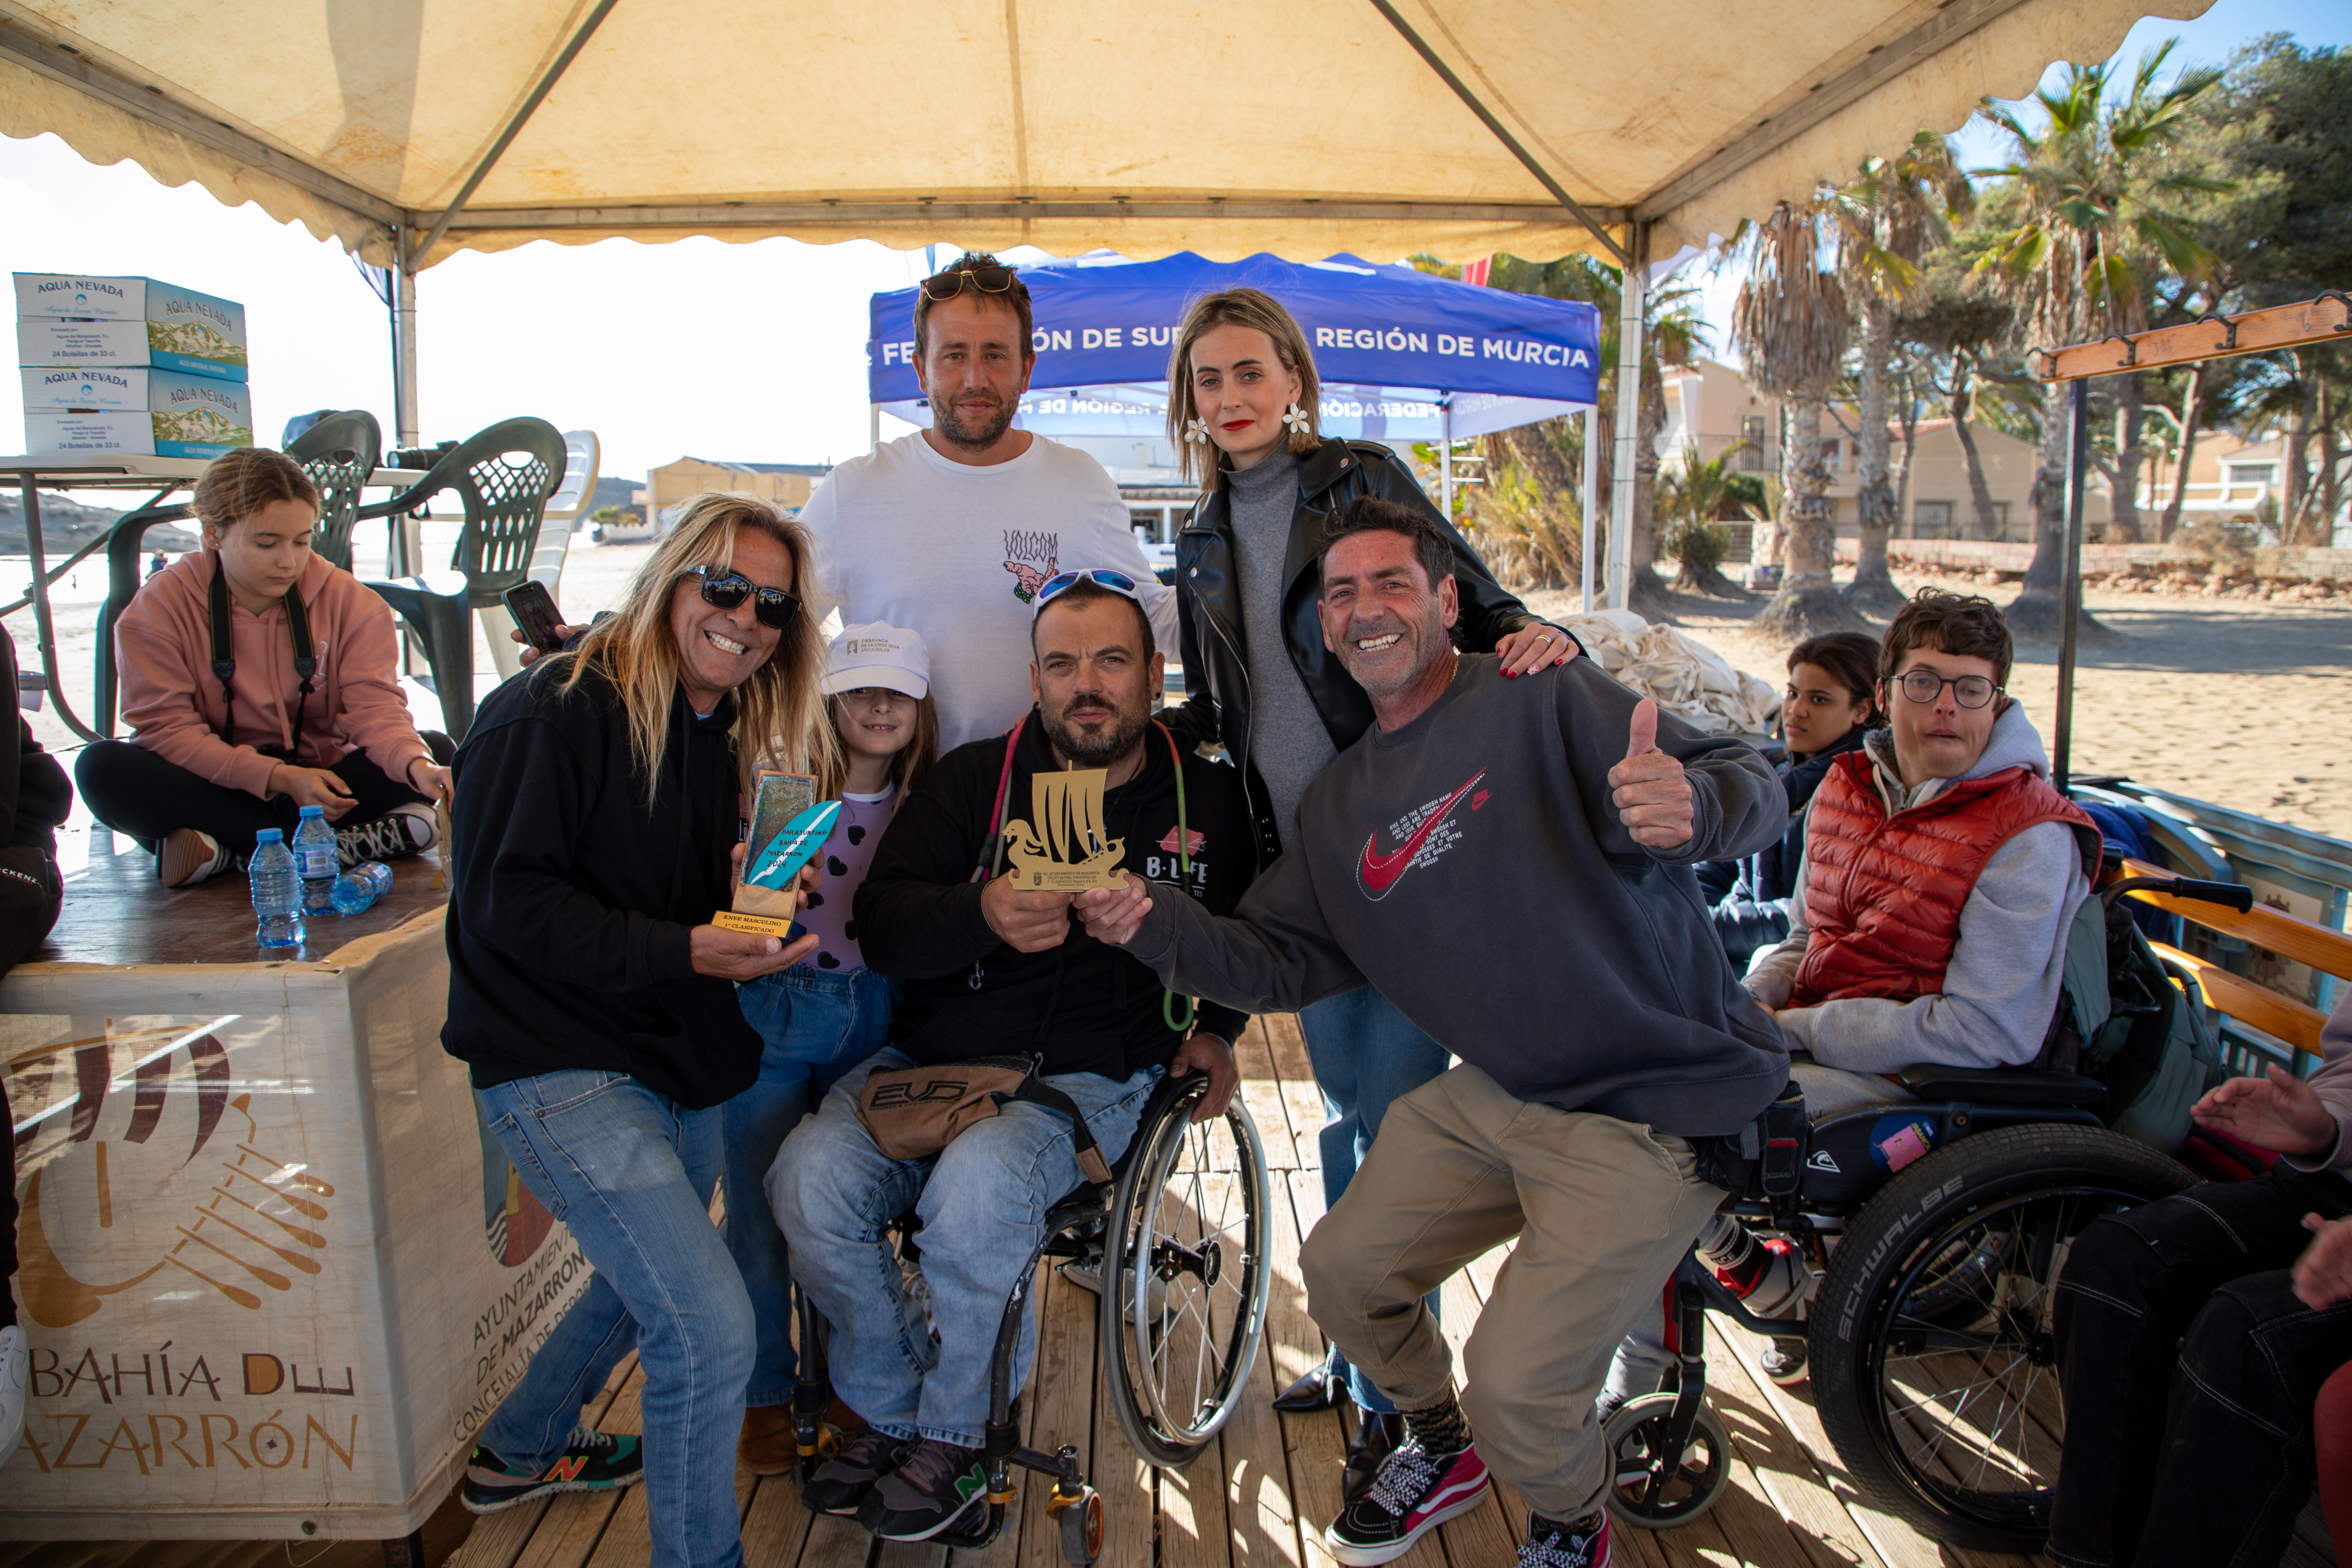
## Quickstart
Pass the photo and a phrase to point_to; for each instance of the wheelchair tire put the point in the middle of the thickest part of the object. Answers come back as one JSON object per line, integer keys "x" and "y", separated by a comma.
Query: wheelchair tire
{"x": 1697, "y": 1482}
{"x": 1189, "y": 1235}
{"x": 1082, "y": 1529}
{"x": 1931, "y": 1343}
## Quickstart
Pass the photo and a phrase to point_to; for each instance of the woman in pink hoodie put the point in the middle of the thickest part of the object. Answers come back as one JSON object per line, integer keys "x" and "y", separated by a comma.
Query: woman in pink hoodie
{"x": 215, "y": 757}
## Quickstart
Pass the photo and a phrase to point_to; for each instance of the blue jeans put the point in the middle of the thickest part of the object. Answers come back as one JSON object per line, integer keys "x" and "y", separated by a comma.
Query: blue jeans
{"x": 630, "y": 1173}
{"x": 1366, "y": 1055}
{"x": 817, "y": 1024}
{"x": 983, "y": 1202}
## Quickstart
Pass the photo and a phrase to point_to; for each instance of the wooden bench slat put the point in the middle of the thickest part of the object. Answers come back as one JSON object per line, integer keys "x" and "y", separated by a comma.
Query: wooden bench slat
{"x": 2289, "y": 936}
{"x": 2248, "y": 1003}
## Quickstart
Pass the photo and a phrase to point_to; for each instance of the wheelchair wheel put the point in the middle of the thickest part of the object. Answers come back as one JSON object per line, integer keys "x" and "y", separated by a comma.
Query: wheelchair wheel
{"x": 1931, "y": 1347}
{"x": 1191, "y": 1237}
{"x": 1646, "y": 1494}
{"x": 1082, "y": 1529}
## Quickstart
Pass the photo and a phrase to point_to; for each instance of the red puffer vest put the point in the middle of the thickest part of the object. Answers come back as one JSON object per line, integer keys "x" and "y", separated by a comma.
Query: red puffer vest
{"x": 1884, "y": 894}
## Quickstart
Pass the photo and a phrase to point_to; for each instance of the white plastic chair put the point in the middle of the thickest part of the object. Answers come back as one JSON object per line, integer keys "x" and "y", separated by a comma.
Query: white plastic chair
{"x": 570, "y": 502}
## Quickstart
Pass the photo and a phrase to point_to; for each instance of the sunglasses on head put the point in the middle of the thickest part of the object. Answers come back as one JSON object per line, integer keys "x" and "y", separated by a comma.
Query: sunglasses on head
{"x": 1061, "y": 583}
{"x": 723, "y": 589}
{"x": 990, "y": 278}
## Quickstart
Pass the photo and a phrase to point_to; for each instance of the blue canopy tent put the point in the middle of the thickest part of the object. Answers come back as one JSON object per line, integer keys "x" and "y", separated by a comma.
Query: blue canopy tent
{"x": 1405, "y": 356}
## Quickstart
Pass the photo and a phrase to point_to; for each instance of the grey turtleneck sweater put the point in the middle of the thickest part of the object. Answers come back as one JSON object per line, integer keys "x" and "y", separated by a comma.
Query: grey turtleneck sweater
{"x": 1288, "y": 740}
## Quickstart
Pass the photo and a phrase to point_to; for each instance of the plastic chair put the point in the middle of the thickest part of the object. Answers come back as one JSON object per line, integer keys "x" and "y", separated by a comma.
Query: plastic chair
{"x": 503, "y": 476}
{"x": 570, "y": 504}
{"x": 338, "y": 451}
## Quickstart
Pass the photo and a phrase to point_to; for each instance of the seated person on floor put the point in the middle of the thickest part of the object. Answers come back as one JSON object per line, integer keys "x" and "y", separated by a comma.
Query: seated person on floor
{"x": 2194, "y": 1334}
{"x": 1826, "y": 713}
{"x": 1472, "y": 806}
{"x": 211, "y": 760}
{"x": 1929, "y": 922}
{"x": 990, "y": 971}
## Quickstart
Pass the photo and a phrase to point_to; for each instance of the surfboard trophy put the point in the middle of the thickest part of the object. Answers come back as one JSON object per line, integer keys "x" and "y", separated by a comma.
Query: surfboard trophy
{"x": 1061, "y": 848}
{"x": 789, "y": 825}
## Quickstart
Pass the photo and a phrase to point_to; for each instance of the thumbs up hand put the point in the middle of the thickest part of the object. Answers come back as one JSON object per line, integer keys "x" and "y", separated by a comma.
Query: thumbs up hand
{"x": 1649, "y": 788}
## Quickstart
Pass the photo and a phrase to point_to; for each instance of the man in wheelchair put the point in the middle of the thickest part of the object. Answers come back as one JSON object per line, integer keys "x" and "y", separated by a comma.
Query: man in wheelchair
{"x": 993, "y": 971}
{"x": 1930, "y": 918}
{"x": 1482, "y": 828}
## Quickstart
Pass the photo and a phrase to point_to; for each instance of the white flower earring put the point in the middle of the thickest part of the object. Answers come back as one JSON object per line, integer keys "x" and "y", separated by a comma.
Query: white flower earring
{"x": 1196, "y": 432}
{"x": 1294, "y": 417}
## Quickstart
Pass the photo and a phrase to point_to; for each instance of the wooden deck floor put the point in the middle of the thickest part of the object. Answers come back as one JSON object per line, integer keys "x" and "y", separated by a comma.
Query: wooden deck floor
{"x": 1261, "y": 1498}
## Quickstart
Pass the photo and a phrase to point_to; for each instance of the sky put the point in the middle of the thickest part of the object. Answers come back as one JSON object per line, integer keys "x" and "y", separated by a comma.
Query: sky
{"x": 765, "y": 364}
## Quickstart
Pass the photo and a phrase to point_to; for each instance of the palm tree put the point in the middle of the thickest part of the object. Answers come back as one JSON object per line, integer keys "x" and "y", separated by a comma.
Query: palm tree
{"x": 1789, "y": 325}
{"x": 2091, "y": 183}
{"x": 1693, "y": 496}
{"x": 1886, "y": 220}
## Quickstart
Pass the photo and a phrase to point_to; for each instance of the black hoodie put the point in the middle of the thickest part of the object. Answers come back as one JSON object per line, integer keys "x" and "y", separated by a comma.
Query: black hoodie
{"x": 571, "y": 900}
{"x": 1086, "y": 1006}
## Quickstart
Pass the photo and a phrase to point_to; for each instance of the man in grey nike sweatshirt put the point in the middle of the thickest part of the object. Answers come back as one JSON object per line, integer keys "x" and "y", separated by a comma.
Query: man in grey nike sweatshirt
{"x": 1507, "y": 861}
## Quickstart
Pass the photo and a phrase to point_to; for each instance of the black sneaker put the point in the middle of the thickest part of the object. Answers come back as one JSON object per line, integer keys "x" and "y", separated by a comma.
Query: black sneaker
{"x": 841, "y": 1483}
{"x": 403, "y": 831}
{"x": 1413, "y": 1492}
{"x": 591, "y": 1462}
{"x": 1552, "y": 1544}
{"x": 936, "y": 1485}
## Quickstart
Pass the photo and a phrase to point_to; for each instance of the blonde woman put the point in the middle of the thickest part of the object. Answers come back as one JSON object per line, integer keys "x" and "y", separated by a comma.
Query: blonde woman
{"x": 1242, "y": 406}
{"x": 597, "y": 801}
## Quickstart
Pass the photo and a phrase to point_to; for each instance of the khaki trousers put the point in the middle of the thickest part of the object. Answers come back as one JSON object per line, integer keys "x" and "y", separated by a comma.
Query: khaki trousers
{"x": 1603, "y": 1210}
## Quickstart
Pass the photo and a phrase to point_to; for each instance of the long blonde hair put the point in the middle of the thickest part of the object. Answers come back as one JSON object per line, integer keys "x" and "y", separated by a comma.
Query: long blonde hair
{"x": 780, "y": 719}
{"x": 1261, "y": 312}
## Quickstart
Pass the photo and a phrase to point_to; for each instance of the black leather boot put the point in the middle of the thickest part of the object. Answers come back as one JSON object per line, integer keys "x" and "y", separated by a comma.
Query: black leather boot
{"x": 1376, "y": 1437}
{"x": 1322, "y": 1388}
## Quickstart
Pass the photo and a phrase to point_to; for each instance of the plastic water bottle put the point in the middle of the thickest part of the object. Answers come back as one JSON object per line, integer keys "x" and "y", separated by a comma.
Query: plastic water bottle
{"x": 316, "y": 855}
{"x": 361, "y": 886}
{"x": 276, "y": 892}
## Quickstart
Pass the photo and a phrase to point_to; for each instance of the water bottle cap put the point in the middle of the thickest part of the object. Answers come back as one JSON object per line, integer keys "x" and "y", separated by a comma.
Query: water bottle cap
{"x": 314, "y": 811}
{"x": 269, "y": 836}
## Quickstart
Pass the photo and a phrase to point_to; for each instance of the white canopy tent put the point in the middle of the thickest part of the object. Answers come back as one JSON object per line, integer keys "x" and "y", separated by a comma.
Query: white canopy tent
{"x": 411, "y": 129}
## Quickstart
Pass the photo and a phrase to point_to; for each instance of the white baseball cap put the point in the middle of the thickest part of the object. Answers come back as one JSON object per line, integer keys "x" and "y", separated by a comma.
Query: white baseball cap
{"x": 878, "y": 654}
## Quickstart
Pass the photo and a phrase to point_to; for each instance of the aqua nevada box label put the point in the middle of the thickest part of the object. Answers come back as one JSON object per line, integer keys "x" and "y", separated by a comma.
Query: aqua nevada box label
{"x": 66, "y": 319}
{"x": 150, "y": 412}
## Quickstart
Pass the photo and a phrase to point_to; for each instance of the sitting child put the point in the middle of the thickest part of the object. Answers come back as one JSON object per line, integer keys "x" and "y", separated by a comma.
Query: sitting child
{"x": 213, "y": 759}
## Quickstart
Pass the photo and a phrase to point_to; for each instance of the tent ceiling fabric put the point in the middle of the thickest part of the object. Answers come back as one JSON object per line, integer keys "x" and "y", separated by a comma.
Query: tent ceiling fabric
{"x": 1219, "y": 127}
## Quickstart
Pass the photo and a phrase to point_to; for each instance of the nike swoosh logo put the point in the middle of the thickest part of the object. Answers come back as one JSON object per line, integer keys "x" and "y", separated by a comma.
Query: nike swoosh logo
{"x": 1378, "y": 873}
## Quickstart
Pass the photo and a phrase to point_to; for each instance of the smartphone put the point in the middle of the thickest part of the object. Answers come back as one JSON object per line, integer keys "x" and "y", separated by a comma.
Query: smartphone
{"x": 533, "y": 609}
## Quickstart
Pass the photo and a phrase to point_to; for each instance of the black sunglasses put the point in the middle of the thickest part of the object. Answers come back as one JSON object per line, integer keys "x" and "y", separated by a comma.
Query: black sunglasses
{"x": 990, "y": 278}
{"x": 723, "y": 590}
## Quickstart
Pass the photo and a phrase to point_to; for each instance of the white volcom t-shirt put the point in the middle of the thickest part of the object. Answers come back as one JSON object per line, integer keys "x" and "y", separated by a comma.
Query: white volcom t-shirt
{"x": 958, "y": 553}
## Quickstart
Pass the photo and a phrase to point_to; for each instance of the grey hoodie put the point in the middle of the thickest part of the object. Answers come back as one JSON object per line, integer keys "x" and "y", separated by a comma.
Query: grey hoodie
{"x": 2002, "y": 981}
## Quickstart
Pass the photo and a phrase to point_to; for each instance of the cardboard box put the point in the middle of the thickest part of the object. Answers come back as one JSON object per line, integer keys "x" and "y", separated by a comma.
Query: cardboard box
{"x": 157, "y": 413}
{"x": 65, "y": 319}
{"x": 87, "y": 389}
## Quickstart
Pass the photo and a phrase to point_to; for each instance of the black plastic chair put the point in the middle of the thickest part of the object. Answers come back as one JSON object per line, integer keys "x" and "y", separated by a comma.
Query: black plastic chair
{"x": 339, "y": 452}
{"x": 504, "y": 475}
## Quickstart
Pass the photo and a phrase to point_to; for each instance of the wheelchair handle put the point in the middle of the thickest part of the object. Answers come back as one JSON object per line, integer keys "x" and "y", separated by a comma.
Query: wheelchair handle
{"x": 2235, "y": 895}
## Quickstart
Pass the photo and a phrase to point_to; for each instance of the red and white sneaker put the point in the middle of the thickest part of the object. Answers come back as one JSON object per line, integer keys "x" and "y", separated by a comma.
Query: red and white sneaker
{"x": 1413, "y": 1492}
{"x": 1584, "y": 1543}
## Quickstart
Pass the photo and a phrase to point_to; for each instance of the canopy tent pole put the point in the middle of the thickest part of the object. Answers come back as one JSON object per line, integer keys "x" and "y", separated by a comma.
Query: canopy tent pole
{"x": 406, "y": 432}
{"x": 2078, "y": 452}
{"x": 1591, "y": 481}
{"x": 1631, "y": 297}
{"x": 872, "y": 426}
{"x": 1445, "y": 459}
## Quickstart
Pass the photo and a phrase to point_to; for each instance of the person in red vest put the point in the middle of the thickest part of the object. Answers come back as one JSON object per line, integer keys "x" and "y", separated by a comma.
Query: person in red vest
{"x": 1928, "y": 925}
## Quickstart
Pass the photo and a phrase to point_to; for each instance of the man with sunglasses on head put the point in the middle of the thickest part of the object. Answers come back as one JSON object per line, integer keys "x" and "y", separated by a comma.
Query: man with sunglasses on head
{"x": 952, "y": 529}
{"x": 992, "y": 970}
{"x": 1928, "y": 924}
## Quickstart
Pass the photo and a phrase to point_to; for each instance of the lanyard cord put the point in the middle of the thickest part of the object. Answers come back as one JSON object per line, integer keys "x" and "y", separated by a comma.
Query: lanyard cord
{"x": 1167, "y": 999}
{"x": 306, "y": 663}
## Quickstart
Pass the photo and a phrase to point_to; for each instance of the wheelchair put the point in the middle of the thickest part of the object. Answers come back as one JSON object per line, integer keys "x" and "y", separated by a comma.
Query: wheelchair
{"x": 1942, "y": 1222}
{"x": 1181, "y": 1239}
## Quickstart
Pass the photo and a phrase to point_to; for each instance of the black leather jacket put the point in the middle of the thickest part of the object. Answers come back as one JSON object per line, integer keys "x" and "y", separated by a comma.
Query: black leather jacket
{"x": 1216, "y": 664}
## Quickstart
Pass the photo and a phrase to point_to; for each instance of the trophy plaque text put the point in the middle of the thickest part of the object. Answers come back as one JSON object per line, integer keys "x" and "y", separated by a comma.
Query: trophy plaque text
{"x": 1061, "y": 848}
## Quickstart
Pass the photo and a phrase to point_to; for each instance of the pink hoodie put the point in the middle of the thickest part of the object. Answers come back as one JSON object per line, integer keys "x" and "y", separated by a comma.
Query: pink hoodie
{"x": 162, "y": 646}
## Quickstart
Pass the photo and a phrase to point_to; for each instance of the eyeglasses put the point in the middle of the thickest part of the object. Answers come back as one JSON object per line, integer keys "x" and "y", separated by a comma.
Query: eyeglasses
{"x": 1925, "y": 686}
{"x": 723, "y": 590}
{"x": 1061, "y": 583}
{"x": 988, "y": 277}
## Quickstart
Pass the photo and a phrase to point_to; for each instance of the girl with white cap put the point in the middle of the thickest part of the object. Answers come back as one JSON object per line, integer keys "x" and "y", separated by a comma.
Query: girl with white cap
{"x": 829, "y": 1012}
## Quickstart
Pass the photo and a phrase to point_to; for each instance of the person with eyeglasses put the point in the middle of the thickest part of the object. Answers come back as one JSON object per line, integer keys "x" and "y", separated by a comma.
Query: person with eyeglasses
{"x": 593, "y": 1001}
{"x": 954, "y": 528}
{"x": 1940, "y": 873}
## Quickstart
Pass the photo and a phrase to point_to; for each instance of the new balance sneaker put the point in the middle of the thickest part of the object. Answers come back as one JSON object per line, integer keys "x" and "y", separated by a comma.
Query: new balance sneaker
{"x": 841, "y": 1482}
{"x": 187, "y": 856}
{"x": 13, "y": 1363}
{"x": 1552, "y": 1544}
{"x": 403, "y": 831}
{"x": 936, "y": 1485}
{"x": 1413, "y": 1492}
{"x": 592, "y": 1461}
